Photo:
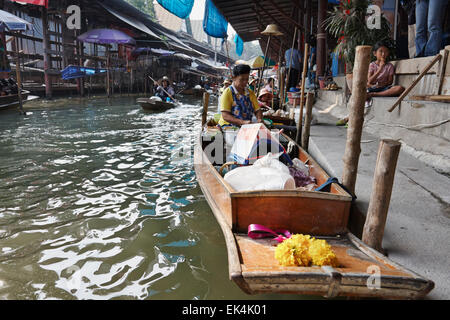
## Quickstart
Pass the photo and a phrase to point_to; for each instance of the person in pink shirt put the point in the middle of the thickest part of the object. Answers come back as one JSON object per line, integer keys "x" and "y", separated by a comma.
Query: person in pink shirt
{"x": 381, "y": 76}
{"x": 380, "y": 79}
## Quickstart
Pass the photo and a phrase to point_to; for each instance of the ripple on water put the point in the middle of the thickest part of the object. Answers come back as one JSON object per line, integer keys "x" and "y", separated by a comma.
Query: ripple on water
{"x": 100, "y": 201}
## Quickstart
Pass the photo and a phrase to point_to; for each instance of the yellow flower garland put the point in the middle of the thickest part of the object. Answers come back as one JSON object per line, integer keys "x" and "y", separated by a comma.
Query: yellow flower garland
{"x": 304, "y": 250}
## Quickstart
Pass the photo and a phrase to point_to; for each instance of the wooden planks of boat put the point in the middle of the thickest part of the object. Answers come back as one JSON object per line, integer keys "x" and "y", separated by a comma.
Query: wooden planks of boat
{"x": 12, "y": 100}
{"x": 154, "y": 105}
{"x": 362, "y": 271}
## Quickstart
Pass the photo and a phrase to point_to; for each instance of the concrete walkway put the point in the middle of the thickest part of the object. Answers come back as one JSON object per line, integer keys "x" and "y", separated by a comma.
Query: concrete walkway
{"x": 417, "y": 233}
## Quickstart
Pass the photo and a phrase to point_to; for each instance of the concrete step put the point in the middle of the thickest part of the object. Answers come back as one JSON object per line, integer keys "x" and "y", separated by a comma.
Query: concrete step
{"x": 416, "y": 233}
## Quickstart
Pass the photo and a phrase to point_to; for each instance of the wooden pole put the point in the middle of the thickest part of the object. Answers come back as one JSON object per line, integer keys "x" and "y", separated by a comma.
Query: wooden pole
{"x": 308, "y": 117}
{"x": 205, "y": 107}
{"x": 302, "y": 93}
{"x": 18, "y": 76}
{"x": 264, "y": 66}
{"x": 321, "y": 55}
{"x": 424, "y": 71}
{"x": 442, "y": 72}
{"x": 383, "y": 180}
{"x": 356, "y": 117}
{"x": 47, "y": 60}
{"x": 108, "y": 90}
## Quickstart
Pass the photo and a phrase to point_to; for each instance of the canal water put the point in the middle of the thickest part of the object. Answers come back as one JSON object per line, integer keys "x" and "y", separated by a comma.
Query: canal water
{"x": 99, "y": 200}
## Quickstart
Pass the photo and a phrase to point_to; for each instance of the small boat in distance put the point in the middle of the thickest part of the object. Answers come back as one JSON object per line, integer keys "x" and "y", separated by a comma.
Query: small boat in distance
{"x": 362, "y": 271}
{"x": 154, "y": 104}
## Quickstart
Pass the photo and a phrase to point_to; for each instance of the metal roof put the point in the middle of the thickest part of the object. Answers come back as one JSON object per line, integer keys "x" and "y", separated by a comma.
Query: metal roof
{"x": 250, "y": 17}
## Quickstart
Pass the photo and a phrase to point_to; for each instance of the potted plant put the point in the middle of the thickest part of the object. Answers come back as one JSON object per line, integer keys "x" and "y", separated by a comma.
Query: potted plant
{"x": 348, "y": 23}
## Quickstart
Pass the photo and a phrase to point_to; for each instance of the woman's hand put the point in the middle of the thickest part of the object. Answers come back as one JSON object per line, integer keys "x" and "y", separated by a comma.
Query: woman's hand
{"x": 246, "y": 122}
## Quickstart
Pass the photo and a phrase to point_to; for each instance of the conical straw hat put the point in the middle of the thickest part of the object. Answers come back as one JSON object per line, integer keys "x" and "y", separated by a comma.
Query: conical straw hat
{"x": 272, "y": 30}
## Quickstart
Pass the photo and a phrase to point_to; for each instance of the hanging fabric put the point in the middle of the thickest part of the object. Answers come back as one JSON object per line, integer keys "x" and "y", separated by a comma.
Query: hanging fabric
{"x": 239, "y": 45}
{"x": 180, "y": 8}
{"x": 214, "y": 23}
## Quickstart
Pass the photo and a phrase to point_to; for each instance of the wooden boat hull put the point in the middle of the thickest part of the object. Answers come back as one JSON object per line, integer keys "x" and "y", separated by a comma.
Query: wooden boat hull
{"x": 251, "y": 263}
{"x": 151, "y": 105}
{"x": 12, "y": 100}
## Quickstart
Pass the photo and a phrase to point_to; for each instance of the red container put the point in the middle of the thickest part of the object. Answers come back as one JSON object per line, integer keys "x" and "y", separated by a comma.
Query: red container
{"x": 294, "y": 98}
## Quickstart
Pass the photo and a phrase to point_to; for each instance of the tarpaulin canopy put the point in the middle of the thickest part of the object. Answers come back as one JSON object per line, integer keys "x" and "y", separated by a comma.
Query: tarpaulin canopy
{"x": 130, "y": 21}
{"x": 239, "y": 45}
{"x": 214, "y": 23}
{"x": 36, "y": 2}
{"x": 180, "y": 8}
{"x": 12, "y": 22}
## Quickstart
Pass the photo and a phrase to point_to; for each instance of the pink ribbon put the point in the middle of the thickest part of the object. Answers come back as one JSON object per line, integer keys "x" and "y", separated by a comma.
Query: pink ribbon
{"x": 256, "y": 231}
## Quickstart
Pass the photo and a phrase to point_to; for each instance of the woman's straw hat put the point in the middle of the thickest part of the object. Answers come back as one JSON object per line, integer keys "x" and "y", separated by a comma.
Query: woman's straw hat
{"x": 263, "y": 92}
{"x": 272, "y": 30}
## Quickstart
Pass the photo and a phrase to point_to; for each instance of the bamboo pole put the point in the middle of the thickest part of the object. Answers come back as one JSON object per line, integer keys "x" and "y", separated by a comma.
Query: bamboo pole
{"x": 383, "y": 180}
{"x": 424, "y": 71}
{"x": 302, "y": 93}
{"x": 205, "y": 107}
{"x": 308, "y": 116}
{"x": 356, "y": 117}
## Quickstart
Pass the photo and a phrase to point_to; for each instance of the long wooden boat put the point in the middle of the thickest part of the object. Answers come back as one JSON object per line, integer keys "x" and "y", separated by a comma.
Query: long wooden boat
{"x": 362, "y": 271}
{"x": 12, "y": 100}
{"x": 154, "y": 105}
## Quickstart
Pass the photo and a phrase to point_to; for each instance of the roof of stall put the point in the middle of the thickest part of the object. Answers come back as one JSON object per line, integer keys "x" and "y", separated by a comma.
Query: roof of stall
{"x": 250, "y": 17}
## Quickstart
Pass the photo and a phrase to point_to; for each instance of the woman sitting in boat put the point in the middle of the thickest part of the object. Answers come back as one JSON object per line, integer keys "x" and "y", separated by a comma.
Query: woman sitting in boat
{"x": 238, "y": 104}
{"x": 265, "y": 99}
{"x": 165, "y": 89}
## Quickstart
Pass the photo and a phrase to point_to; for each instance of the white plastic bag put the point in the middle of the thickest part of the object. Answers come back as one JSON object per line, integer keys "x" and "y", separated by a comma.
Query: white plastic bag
{"x": 267, "y": 173}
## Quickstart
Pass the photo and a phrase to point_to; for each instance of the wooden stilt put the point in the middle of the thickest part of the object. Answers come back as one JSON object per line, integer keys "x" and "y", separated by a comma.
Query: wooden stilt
{"x": 308, "y": 116}
{"x": 205, "y": 107}
{"x": 264, "y": 65}
{"x": 383, "y": 180}
{"x": 47, "y": 60}
{"x": 108, "y": 90}
{"x": 18, "y": 76}
{"x": 356, "y": 117}
{"x": 302, "y": 93}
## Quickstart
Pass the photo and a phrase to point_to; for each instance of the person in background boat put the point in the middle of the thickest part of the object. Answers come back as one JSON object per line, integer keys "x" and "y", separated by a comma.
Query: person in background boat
{"x": 269, "y": 84}
{"x": 165, "y": 89}
{"x": 252, "y": 84}
{"x": 239, "y": 104}
{"x": 265, "y": 99}
{"x": 206, "y": 86}
{"x": 226, "y": 84}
